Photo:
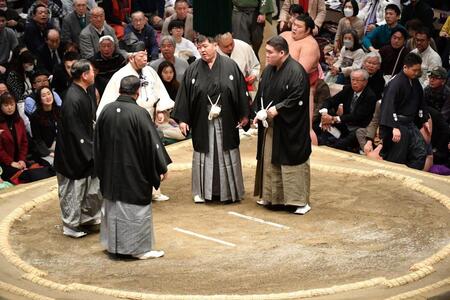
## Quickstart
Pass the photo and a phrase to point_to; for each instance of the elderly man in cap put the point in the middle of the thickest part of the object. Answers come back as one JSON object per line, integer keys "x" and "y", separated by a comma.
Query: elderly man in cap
{"x": 153, "y": 95}
{"x": 437, "y": 97}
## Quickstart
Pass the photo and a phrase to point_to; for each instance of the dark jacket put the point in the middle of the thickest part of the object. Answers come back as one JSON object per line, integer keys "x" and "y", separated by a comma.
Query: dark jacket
{"x": 34, "y": 35}
{"x": 148, "y": 36}
{"x": 45, "y": 58}
{"x": 74, "y": 157}
{"x": 129, "y": 155}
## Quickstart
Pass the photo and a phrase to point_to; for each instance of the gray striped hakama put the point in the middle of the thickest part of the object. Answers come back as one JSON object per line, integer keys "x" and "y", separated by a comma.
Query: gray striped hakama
{"x": 126, "y": 228}
{"x": 217, "y": 173}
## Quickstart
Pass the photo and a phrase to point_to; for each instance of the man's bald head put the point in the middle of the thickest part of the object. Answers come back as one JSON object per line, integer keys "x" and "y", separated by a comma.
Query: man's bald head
{"x": 225, "y": 42}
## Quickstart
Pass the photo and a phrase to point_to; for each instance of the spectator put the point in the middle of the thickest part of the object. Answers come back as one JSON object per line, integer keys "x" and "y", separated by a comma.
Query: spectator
{"x": 139, "y": 30}
{"x": 430, "y": 58}
{"x": 295, "y": 10}
{"x": 181, "y": 14}
{"x": 412, "y": 26}
{"x": 36, "y": 28}
{"x": 39, "y": 80}
{"x": 13, "y": 138}
{"x": 62, "y": 77}
{"x": 75, "y": 22}
{"x": 167, "y": 73}
{"x": 185, "y": 48}
{"x": 13, "y": 20}
{"x": 380, "y": 36}
{"x": 90, "y": 35}
{"x": 3, "y": 88}
{"x": 349, "y": 21}
{"x": 8, "y": 41}
{"x": 371, "y": 63}
{"x": 117, "y": 14}
{"x": 153, "y": 9}
{"x": 394, "y": 53}
{"x": 444, "y": 43}
{"x": 168, "y": 45}
{"x": 350, "y": 57}
{"x": 402, "y": 107}
{"x": 55, "y": 13}
{"x": 418, "y": 9}
{"x": 373, "y": 13}
{"x": 44, "y": 126}
{"x": 19, "y": 78}
{"x": 68, "y": 6}
{"x": 51, "y": 53}
{"x": 315, "y": 8}
{"x": 348, "y": 110}
{"x": 106, "y": 62}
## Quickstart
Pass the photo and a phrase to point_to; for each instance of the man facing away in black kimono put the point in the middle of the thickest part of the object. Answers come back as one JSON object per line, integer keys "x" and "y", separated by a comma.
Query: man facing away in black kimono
{"x": 284, "y": 144}
{"x": 78, "y": 188}
{"x": 212, "y": 103}
{"x": 403, "y": 109}
{"x": 130, "y": 160}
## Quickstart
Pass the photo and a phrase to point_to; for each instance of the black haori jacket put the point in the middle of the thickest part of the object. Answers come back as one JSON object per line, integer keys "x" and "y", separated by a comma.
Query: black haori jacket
{"x": 129, "y": 155}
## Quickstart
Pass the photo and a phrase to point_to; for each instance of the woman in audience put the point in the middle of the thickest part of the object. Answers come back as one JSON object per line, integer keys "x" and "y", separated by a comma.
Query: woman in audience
{"x": 19, "y": 78}
{"x": 350, "y": 58}
{"x": 13, "y": 138}
{"x": 349, "y": 21}
{"x": 165, "y": 124}
{"x": 394, "y": 53}
{"x": 44, "y": 126}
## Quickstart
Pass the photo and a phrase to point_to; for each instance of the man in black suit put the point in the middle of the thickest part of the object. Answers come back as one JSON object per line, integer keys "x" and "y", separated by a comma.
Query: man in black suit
{"x": 75, "y": 22}
{"x": 51, "y": 54}
{"x": 344, "y": 113}
{"x": 35, "y": 30}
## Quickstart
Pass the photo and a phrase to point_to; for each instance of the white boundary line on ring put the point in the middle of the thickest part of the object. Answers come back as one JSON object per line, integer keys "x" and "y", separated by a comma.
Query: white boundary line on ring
{"x": 204, "y": 237}
{"x": 258, "y": 220}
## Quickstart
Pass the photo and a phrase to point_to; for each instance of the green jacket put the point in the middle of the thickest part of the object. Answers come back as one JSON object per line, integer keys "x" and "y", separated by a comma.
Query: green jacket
{"x": 265, "y": 6}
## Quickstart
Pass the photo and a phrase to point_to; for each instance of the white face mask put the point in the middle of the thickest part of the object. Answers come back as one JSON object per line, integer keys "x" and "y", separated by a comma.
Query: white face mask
{"x": 28, "y": 68}
{"x": 4, "y": 8}
{"x": 348, "y": 12}
{"x": 348, "y": 44}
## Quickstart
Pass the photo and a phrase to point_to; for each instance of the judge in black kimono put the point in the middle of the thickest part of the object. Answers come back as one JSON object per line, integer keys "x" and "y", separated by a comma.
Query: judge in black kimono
{"x": 403, "y": 109}
{"x": 130, "y": 160}
{"x": 284, "y": 144}
{"x": 78, "y": 188}
{"x": 212, "y": 103}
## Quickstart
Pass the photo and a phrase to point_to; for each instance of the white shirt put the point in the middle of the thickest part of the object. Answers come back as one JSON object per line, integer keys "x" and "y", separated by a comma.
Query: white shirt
{"x": 148, "y": 95}
{"x": 245, "y": 58}
{"x": 186, "y": 47}
{"x": 430, "y": 59}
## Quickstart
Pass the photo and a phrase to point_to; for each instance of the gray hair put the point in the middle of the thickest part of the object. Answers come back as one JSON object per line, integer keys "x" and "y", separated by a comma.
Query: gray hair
{"x": 372, "y": 54}
{"x": 79, "y": 67}
{"x": 168, "y": 38}
{"x": 223, "y": 35}
{"x": 361, "y": 71}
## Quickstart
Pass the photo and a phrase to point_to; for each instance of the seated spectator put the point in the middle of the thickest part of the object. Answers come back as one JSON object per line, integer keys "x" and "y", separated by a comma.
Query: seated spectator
{"x": 13, "y": 138}
{"x": 3, "y": 88}
{"x": 403, "y": 106}
{"x": 62, "y": 77}
{"x": 430, "y": 58}
{"x": 36, "y": 28}
{"x": 44, "y": 126}
{"x": 394, "y": 53}
{"x": 444, "y": 43}
{"x": 117, "y": 15}
{"x": 350, "y": 57}
{"x": 167, "y": 46}
{"x": 295, "y": 10}
{"x": 90, "y": 35}
{"x": 13, "y": 20}
{"x": 55, "y": 13}
{"x": 19, "y": 78}
{"x": 8, "y": 41}
{"x": 368, "y": 137}
{"x": 322, "y": 94}
{"x": 373, "y": 12}
{"x": 417, "y": 9}
{"x": 139, "y": 30}
{"x": 75, "y": 22}
{"x": 163, "y": 122}
{"x": 349, "y": 21}
{"x": 68, "y": 6}
{"x": 348, "y": 110}
{"x": 153, "y": 10}
{"x": 182, "y": 14}
{"x": 39, "y": 80}
{"x": 185, "y": 48}
{"x": 106, "y": 62}
{"x": 51, "y": 53}
{"x": 315, "y": 8}
{"x": 381, "y": 35}
{"x": 371, "y": 63}
{"x": 412, "y": 26}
